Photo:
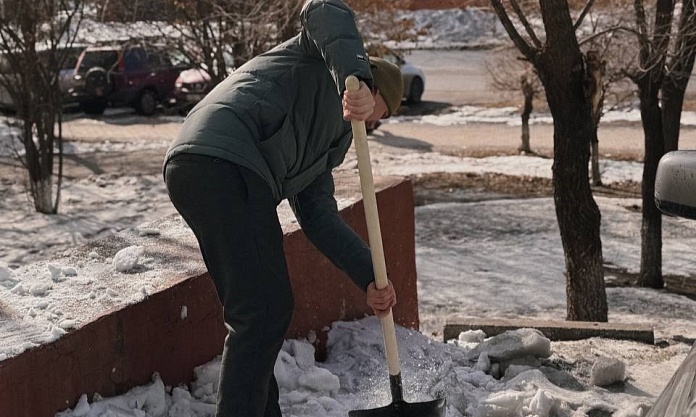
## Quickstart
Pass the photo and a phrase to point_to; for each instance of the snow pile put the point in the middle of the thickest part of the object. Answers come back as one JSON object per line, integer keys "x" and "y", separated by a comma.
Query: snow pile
{"x": 478, "y": 382}
{"x": 91, "y": 207}
{"x": 607, "y": 371}
{"x": 510, "y": 116}
{"x": 149, "y": 400}
{"x": 415, "y": 163}
{"x": 44, "y": 300}
{"x": 127, "y": 258}
{"x": 455, "y": 28}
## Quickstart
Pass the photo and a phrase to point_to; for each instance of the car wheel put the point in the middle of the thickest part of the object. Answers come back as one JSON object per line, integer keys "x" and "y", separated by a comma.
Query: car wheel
{"x": 147, "y": 103}
{"x": 416, "y": 91}
{"x": 97, "y": 82}
{"x": 94, "y": 106}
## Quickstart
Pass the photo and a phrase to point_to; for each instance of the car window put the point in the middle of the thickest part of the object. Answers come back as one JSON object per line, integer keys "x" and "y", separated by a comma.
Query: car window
{"x": 67, "y": 57}
{"x": 71, "y": 57}
{"x": 104, "y": 59}
{"x": 134, "y": 59}
{"x": 158, "y": 59}
{"x": 178, "y": 59}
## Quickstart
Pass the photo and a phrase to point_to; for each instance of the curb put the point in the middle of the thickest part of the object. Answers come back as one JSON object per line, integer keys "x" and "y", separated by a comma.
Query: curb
{"x": 554, "y": 330}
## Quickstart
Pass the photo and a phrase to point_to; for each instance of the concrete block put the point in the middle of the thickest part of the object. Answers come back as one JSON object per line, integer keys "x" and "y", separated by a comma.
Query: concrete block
{"x": 122, "y": 348}
{"x": 554, "y": 330}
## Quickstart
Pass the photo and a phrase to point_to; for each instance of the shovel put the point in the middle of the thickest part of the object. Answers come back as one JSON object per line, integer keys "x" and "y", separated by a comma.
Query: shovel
{"x": 398, "y": 407}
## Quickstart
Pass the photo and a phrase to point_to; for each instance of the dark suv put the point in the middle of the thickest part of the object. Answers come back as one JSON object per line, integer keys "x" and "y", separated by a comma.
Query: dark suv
{"x": 135, "y": 76}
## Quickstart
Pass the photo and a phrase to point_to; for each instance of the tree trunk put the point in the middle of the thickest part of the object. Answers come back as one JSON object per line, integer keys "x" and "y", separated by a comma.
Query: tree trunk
{"x": 39, "y": 168}
{"x": 578, "y": 215}
{"x": 652, "y": 57}
{"x": 672, "y": 104}
{"x": 528, "y": 92}
{"x": 559, "y": 63}
{"x": 595, "y": 93}
{"x": 562, "y": 72}
{"x": 651, "y": 226}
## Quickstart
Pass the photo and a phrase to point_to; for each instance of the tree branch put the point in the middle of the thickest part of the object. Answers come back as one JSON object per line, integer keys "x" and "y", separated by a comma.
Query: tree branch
{"x": 527, "y": 50}
{"x": 642, "y": 33}
{"x": 530, "y": 31}
{"x": 583, "y": 14}
{"x": 605, "y": 31}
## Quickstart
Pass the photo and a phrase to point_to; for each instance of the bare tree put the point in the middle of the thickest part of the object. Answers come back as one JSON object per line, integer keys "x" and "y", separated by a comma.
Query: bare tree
{"x": 562, "y": 69}
{"x": 598, "y": 46}
{"x": 35, "y": 42}
{"x": 219, "y": 35}
{"x": 508, "y": 72}
{"x": 211, "y": 31}
{"x": 216, "y": 35}
{"x": 678, "y": 71}
{"x": 666, "y": 59}
{"x": 512, "y": 73}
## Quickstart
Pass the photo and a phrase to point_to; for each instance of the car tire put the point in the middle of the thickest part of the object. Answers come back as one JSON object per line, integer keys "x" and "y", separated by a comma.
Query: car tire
{"x": 146, "y": 104}
{"x": 416, "y": 91}
{"x": 94, "y": 106}
{"x": 97, "y": 82}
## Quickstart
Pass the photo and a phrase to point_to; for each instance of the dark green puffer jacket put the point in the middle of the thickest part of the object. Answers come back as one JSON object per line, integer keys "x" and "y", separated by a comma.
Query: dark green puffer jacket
{"x": 280, "y": 115}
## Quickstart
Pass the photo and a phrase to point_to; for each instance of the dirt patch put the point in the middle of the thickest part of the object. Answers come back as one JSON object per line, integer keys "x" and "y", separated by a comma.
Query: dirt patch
{"x": 461, "y": 187}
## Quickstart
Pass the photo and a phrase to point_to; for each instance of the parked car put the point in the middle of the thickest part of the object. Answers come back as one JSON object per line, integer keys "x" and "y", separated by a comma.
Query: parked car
{"x": 138, "y": 76}
{"x": 193, "y": 84}
{"x": 414, "y": 78}
{"x": 190, "y": 88}
{"x": 65, "y": 75}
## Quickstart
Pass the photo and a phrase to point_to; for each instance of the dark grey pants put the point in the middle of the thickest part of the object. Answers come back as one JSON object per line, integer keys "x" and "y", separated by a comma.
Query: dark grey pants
{"x": 232, "y": 212}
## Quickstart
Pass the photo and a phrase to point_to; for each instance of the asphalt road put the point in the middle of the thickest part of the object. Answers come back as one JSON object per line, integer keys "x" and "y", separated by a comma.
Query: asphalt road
{"x": 455, "y": 77}
{"x": 460, "y": 77}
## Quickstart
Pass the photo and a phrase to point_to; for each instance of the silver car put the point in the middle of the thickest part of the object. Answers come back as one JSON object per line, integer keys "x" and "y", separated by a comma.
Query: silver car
{"x": 414, "y": 78}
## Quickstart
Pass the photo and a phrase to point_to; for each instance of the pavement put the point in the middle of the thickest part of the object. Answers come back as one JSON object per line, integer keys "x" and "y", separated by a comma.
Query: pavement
{"x": 120, "y": 126}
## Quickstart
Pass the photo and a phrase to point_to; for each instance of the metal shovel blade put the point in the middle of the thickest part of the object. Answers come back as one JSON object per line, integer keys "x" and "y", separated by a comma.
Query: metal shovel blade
{"x": 433, "y": 408}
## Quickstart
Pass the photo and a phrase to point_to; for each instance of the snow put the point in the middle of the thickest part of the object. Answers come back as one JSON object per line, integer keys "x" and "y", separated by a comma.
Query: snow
{"x": 127, "y": 258}
{"x": 498, "y": 258}
{"x": 455, "y": 28}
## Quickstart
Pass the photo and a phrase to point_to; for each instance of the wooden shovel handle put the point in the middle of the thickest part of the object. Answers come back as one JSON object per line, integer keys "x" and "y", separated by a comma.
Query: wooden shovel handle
{"x": 373, "y": 229}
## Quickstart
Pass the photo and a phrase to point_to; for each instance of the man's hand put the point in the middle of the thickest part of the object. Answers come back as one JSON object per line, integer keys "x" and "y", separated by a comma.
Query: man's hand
{"x": 381, "y": 301}
{"x": 358, "y": 105}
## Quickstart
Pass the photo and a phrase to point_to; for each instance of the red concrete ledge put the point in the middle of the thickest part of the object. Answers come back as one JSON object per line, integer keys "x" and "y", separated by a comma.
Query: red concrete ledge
{"x": 122, "y": 348}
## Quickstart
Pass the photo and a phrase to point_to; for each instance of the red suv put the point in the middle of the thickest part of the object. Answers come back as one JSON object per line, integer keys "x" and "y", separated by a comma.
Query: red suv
{"x": 135, "y": 76}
